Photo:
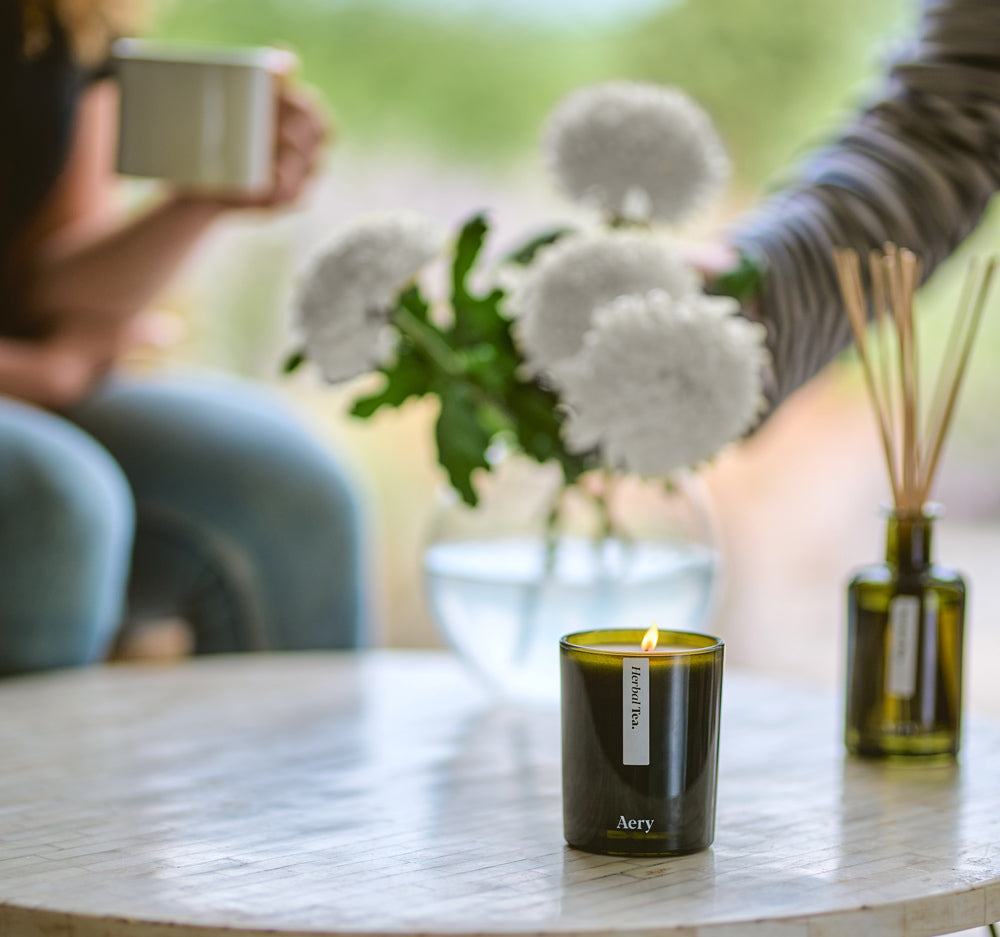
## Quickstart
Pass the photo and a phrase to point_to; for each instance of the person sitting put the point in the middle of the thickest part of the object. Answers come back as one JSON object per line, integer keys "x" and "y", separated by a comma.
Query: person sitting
{"x": 128, "y": 500}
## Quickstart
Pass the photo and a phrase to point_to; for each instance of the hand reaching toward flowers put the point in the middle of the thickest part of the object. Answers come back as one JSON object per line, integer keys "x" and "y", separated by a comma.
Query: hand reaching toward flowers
{"x": 918, "y": 168}
{"x": 711, "y": 259}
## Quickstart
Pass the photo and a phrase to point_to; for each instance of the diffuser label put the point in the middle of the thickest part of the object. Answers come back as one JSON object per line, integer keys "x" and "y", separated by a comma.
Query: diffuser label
{"x": 635, "y": 711}
{"x": 904, "y": 638}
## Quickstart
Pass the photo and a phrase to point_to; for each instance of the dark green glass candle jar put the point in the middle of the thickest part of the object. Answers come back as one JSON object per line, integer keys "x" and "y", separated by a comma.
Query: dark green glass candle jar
{"x": 640, "y": 741}
{"x": 906, "y": 621}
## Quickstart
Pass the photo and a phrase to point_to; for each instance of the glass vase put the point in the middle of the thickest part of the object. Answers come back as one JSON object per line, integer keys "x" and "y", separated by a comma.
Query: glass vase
{"x": 906, "y": 621}
{"x": 507, "y": 579}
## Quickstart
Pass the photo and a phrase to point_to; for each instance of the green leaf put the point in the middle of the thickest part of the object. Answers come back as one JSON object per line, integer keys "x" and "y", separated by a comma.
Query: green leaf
{"x": 525, "y": 254}
{"x": 294, "y": 361}
{"x": 477, "y": 319}
{"x": 473, "y": 365}
{"x": 744, "y": 281}
{"x": 537, "y": 428}
{"x": 413, "y": 302}
{"x": 413, "y": 373}
{"x": 410, "y": 375}
{"x": 463, "y": 433}
{"x": 470, "y": 242}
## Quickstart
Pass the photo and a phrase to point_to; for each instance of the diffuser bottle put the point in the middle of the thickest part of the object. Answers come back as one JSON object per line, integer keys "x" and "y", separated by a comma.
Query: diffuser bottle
{"x": 906, "y": 617}
{"x": 906, "y": 621}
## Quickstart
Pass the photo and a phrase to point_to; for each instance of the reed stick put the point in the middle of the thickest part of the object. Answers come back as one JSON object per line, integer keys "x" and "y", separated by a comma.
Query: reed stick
{"x": 939, "y": 396}
{"x": 882, "y": 336}
{"x": 910, "y": 273}
{"x": 954, "y": 383}
{"x": 902, "y": 319}
{"x": 912, "y": 440}
{"x": 848, "y": 274}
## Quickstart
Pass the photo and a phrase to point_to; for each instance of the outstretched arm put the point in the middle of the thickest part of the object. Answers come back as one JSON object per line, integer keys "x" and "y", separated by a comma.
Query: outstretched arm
{"x": 917, "y": 168}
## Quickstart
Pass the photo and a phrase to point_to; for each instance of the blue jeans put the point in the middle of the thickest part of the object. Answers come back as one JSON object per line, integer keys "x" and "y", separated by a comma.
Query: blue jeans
{"x": 199, "y": 498}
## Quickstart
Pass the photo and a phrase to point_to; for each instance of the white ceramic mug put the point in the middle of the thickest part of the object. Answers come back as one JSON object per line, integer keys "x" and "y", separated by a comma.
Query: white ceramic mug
{"x": 200, "y": 117}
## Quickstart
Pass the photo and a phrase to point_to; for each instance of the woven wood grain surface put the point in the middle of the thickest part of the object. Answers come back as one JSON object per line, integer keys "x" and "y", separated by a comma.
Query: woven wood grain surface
{"x": 386, "y": 793}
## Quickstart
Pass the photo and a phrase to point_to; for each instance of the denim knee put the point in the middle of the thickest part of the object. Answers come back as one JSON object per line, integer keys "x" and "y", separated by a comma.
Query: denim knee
{"x": 227, "y": 481}
{"x": 322, "y": 517}
{"x": 65, "y": 542}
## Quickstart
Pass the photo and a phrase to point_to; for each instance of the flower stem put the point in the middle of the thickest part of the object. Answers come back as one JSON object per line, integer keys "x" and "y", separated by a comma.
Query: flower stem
{"x": 533, "y": 594}
{"x": 619, "y": 222}
{"x": 603, "y": 500}
{"x": 429, "y": 341}
{"x": 552, "y": 519}
{"x": 436, "y": 347}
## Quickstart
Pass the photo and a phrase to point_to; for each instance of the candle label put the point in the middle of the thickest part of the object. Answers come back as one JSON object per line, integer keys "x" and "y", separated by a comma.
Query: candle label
{"x": 635, "y": 711}
{"x": 904, "y": 637}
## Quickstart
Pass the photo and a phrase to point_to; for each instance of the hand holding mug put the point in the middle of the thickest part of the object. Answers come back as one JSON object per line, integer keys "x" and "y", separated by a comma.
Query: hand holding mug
{"x": 301, "y": 133}
{"x": 226, "y": 126}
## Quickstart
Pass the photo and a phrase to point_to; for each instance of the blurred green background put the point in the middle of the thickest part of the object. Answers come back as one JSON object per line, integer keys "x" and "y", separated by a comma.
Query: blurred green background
{"x": 439, "y": 106}
{"x": 461, "y": 88}
{"x": 473, "y": 82}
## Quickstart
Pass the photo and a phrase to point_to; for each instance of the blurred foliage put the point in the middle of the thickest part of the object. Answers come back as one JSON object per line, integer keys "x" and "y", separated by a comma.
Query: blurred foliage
{"x": 468, "y": 89}
{"x": 771, "y": 73}
{"x": 774, "y": 75}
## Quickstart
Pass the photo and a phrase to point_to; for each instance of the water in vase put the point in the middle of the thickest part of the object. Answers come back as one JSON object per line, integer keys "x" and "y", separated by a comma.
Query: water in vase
{"x": 503, "y": 604}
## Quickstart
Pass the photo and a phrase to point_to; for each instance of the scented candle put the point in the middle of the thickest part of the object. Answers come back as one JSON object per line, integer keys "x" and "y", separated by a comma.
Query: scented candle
{"x": 640, "y": 738}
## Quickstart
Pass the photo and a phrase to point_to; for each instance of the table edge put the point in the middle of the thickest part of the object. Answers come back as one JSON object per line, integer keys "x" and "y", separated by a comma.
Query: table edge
{"x": 928, "y": 916}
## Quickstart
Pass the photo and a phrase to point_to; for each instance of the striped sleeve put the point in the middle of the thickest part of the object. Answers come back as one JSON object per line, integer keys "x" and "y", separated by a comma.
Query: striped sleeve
{"x": 917, "y": 168}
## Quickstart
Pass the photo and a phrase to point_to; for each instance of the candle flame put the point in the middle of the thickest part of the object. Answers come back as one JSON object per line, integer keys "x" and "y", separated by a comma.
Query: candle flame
{"x": 650, "y": 638}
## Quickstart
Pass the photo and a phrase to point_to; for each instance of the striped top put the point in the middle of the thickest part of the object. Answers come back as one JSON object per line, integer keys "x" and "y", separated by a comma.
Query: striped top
{"x": 917, "y": 168}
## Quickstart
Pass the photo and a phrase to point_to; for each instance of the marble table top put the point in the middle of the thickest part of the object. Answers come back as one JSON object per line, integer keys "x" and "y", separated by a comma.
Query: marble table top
{"x": 384, "y": 793}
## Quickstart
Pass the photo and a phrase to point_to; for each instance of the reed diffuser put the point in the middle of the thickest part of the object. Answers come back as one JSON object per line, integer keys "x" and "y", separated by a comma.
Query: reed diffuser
{"x": 906, "y": 616}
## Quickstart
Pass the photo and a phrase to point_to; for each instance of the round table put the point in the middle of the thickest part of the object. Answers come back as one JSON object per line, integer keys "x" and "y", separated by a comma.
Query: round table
{"x": 385, "y": 793}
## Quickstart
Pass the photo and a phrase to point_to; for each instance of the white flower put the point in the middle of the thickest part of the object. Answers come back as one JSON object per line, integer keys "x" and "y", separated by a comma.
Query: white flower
{"x": 342, "y": 303}
{"x": 664, "y": 383}
{"x": 554, "y": 303}
{"x": 639, "y": 151}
